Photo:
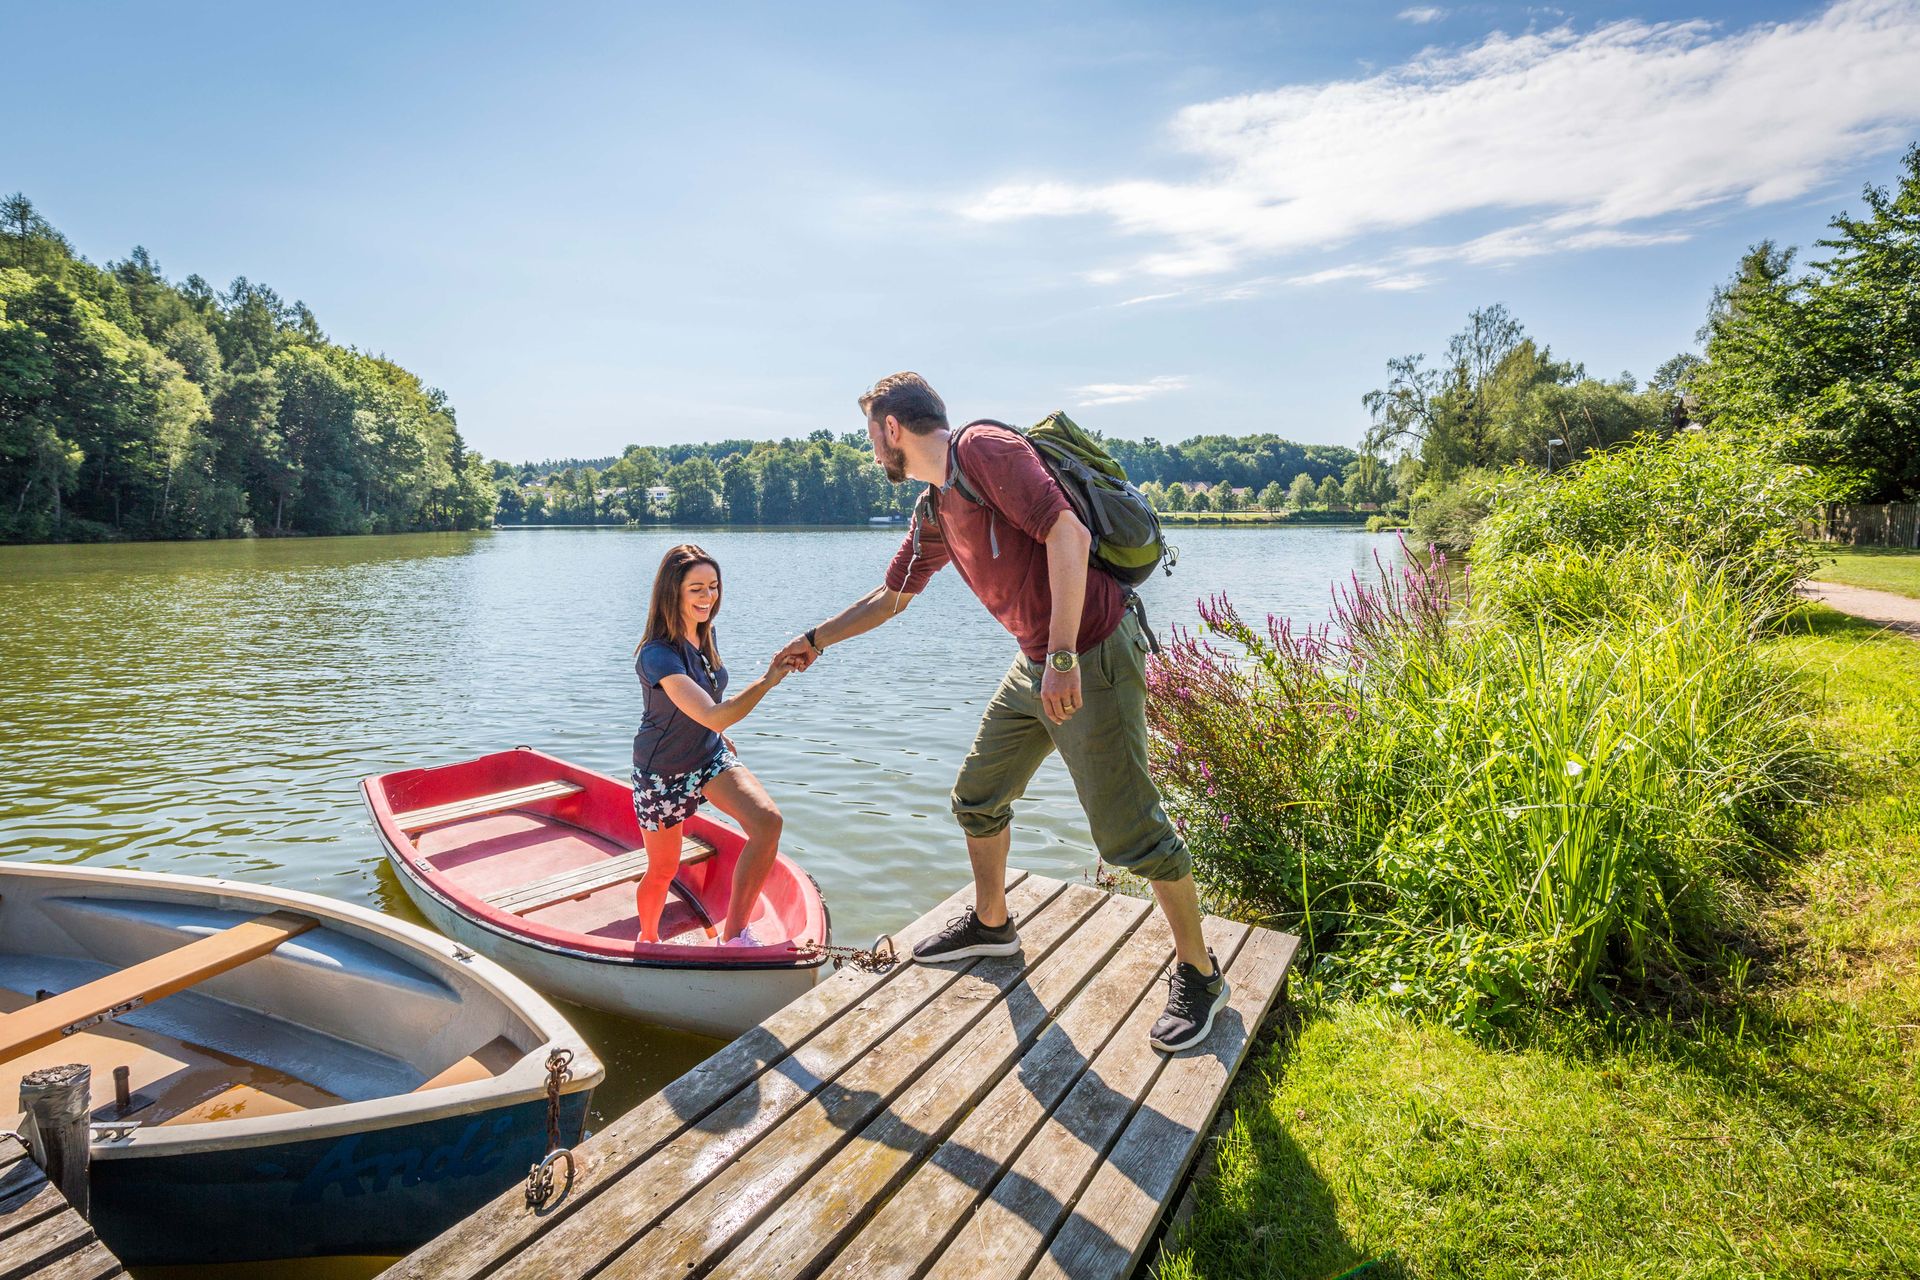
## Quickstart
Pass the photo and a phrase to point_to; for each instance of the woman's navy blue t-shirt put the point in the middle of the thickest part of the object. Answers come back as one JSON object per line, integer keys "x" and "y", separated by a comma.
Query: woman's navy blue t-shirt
{"x": 671, "y": 741}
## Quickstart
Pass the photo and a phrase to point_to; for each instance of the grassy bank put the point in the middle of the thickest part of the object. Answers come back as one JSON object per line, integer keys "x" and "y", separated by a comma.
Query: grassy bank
{"x": 1764, "y": 1123}
{"x": 1880, "y": 568}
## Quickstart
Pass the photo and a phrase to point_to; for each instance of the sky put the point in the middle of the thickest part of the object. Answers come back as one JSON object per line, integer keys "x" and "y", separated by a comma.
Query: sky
{"x": 602, "y": 225}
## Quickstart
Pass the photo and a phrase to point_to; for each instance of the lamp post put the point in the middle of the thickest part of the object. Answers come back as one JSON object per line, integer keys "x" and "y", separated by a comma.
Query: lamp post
{"x": 1555, "y": 441}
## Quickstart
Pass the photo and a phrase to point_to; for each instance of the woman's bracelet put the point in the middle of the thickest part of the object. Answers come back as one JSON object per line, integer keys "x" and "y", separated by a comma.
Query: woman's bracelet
{"x": 812, "y": 643}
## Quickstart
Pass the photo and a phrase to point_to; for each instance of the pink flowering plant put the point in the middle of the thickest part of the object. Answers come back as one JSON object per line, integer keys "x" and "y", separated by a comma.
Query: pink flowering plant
{"x": 1477, "y": 812}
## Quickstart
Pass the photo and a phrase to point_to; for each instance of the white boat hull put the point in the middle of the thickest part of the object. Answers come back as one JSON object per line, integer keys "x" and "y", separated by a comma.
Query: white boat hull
{"x": 705, "y": 999}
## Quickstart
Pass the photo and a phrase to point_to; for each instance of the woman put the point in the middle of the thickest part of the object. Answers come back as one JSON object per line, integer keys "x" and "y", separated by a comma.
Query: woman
{"x": 682, "y": 755}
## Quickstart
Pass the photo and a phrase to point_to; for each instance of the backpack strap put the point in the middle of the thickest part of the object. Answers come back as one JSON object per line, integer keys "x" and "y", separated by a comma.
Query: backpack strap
{"x": 956, "y": 477}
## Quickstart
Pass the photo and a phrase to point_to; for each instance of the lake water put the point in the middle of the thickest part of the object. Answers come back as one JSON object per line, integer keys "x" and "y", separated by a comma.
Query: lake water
{"x": 209, "y": 708}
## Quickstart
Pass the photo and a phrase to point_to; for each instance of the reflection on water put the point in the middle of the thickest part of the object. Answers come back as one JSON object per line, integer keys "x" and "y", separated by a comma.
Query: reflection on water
{"x": 209, "y": 708}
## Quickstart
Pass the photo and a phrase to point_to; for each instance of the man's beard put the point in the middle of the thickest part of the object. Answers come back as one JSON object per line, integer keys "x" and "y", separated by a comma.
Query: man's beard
{"x": 893, "y": 462}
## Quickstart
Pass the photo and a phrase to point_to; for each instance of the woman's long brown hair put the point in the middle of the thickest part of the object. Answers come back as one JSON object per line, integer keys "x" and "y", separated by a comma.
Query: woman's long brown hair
{"x": 664, "y": 612}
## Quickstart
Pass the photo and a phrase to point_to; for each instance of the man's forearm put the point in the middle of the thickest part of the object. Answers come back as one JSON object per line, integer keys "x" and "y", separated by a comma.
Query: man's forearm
{"x": 861, "y": 617}
{"x": 1067, "y": 545}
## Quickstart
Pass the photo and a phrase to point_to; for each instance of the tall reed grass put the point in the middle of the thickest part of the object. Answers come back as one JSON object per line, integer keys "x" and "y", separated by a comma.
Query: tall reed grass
{"x": 1560, "y": 792}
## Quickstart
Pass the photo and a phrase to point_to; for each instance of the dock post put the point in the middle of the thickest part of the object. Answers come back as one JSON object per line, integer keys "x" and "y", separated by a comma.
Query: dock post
{"x": 58, "y": 1108}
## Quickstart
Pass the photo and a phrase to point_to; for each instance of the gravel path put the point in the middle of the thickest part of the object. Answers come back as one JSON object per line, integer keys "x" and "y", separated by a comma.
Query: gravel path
{"x": 1900, "y": 613}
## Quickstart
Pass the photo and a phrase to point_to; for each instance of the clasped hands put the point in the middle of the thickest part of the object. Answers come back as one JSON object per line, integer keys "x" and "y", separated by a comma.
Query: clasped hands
{"x": 796, "y": 655}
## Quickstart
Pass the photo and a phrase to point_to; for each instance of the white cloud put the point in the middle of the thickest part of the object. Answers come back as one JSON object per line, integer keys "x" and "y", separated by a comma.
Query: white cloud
{"x": 1405, "y": 283}
{"x": 1422, "y": 14}
{"x": 1579, "y": 139}
{"x": 1126, "y": 392}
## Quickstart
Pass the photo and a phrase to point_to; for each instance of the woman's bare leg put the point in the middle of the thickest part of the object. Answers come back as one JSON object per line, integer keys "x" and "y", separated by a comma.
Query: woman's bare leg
{"x": 663, "y": 861}
{"x": 739, "y": 795}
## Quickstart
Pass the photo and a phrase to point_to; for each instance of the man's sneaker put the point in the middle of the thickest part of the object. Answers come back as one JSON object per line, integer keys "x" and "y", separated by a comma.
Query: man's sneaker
{"x": 1193, "y": 998}
{"x": 965, "y": 936}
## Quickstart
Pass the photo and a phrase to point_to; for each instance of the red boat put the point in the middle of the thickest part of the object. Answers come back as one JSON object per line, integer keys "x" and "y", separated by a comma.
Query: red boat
{"x": 532, "y": 862}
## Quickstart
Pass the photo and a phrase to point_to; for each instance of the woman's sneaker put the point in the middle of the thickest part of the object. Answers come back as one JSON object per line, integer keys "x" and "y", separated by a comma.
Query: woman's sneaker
{"x": 1193, "y": 998}
{"x": 965, "y": 936}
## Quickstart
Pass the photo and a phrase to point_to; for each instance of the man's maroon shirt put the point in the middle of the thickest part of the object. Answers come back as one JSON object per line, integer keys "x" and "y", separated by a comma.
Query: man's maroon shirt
{"x": 1022, "y": 502}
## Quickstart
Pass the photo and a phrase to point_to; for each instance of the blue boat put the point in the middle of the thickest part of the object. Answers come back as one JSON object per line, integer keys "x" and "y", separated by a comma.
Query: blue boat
{"x": 277, "y": 1074}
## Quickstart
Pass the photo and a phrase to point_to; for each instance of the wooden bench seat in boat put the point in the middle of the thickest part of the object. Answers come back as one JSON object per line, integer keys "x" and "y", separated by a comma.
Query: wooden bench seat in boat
{"x": 46, "y": 1021}
{"x": 578, "y": 882}
{"x": 484, "y": 1063}
{"x": 476, "y": 806}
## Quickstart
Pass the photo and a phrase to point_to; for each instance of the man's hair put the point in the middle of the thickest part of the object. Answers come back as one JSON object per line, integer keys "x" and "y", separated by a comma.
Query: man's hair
{"x": 911, "y": 402}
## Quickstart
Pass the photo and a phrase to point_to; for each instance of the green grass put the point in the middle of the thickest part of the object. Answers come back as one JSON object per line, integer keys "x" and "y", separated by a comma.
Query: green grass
{"x": 1768, "y": 1125}
{"x": 1881, "y": 568}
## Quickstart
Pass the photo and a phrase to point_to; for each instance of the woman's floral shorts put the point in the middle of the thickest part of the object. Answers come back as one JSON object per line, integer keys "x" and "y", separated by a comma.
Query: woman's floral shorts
{"x": 662, "y": 800}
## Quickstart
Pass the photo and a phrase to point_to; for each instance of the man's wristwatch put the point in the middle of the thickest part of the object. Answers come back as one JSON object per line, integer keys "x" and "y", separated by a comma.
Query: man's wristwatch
{"x": 1063, "y": 661}
{"x": 812, "y": 643}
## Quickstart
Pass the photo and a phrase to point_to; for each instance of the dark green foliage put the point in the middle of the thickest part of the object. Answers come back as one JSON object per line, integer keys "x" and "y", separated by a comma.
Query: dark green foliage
{"x": 1825, "y": 365}
{"x": 131, "y": 407}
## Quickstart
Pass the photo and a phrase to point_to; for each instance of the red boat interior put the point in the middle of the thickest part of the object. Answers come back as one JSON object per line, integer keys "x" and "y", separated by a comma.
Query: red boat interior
{"x": 542, "y": 848}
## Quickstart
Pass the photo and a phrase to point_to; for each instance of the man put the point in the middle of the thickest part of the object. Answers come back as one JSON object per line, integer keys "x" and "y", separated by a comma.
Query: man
{"x": 1078, "y": 685}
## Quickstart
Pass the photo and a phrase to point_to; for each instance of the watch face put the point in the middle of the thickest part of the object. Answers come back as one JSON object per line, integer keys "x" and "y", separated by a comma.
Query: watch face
{"x": 1062, "y": 661}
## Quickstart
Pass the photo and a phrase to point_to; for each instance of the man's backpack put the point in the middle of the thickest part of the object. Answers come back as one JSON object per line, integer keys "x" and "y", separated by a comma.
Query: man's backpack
{"x": 1127, "y": 541}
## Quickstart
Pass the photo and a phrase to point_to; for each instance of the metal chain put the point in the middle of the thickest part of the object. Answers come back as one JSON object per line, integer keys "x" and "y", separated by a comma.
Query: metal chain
{"x": 877, "y": 958}
{"x": 540, "y": 1177}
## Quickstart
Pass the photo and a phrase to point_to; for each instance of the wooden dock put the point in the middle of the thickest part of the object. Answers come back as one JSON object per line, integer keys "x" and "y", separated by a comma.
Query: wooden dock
{"x": 987, "y": 1119}
{"x": 41, "y": 1237}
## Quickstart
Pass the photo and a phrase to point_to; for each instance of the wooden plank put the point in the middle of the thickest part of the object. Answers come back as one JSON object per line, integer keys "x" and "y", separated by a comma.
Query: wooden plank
{"x": 21, "y": 1184}
{"x": 814, "y": 1217}
{"x": 93, "y": 1262}
{"x": 578, "y": 882}
{"x": 43, "y": 1023}
{"x": 44, "y": 1239}
{"x": 738, "y": 1159}
{"x": 1115, "y": 1216}
{"x": 1012, "y": 1226}
{"x": 919, "y": 1218}
{"x": 31, "y": 1238}
{"x": 505, "y": 1227}
{"x": 474, "y": 806}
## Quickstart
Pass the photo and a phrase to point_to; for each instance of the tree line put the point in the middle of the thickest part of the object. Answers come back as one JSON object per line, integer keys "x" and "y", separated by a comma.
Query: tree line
{"x": 829, "y": 479}
{"x": 821, "y": 479}
{"x": 132, "y": 406}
